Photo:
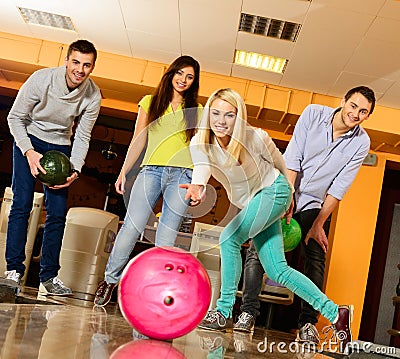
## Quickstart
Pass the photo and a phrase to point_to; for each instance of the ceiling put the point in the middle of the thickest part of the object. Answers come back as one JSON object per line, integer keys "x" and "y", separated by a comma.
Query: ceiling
{"x": 341, "y": 44}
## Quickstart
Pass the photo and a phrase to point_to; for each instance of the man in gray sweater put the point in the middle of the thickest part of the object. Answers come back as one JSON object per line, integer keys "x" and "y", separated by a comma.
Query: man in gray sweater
{"x": 41, "y": 119}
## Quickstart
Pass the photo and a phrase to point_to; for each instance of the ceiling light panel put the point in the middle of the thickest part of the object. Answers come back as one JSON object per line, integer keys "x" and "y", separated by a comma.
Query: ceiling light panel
{"x": 264, "y": 26}
{"x": 260, "y": 61}
{"x": 31, "y": 16}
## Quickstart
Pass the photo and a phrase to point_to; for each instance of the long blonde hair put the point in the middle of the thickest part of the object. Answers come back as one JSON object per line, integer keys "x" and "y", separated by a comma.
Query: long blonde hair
{"x": 236, "y": 146}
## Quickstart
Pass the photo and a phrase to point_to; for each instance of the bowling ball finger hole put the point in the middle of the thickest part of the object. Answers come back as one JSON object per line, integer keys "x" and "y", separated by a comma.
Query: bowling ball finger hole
{"x": 169, "y": 267}
{"x": 181, "y": 269}
{"x": 168, "y": 300}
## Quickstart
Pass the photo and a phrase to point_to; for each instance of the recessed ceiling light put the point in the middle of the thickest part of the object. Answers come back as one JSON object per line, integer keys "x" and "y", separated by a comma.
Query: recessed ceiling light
{"x": 260, "y": 61}
{"x": 265, "y": 26}
{"x": 31, "y": 16}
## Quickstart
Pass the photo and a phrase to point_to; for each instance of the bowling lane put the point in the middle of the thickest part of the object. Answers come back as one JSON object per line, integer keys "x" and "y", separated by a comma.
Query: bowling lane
{"x": 46, "y": 328}
{"x": 60, "y": 329}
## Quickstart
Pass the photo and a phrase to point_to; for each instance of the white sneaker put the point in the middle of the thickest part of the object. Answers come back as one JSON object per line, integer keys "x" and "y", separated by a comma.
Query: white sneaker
{"x": 13, "y": 275}
{"x": 12, "y": 280}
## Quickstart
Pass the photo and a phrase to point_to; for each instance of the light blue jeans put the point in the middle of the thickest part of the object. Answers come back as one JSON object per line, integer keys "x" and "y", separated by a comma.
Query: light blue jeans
{"x": 150, "y": 184}
{"x": 260, "y": 220}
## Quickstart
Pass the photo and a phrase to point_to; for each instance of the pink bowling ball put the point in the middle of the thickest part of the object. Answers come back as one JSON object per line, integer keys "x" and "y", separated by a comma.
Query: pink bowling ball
{"x": 147, "y": 349}
{"x": 164, "y": 292}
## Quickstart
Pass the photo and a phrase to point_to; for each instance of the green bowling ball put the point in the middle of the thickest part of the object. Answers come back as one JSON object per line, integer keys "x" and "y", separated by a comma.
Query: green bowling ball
{"x": 291, "y": 234}
{"x": 57, "y": 166}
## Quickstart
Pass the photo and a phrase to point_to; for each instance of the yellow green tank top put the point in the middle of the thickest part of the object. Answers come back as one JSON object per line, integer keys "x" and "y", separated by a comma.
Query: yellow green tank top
{"x": 166, "y": 139}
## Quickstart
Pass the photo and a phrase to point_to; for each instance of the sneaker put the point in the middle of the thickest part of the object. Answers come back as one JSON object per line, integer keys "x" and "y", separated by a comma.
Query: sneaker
{"x": 11, "y": 284}
{"x": 245, "y": 323}
{"x": 308, "y": 334}
{"x": 103, "y": 293}
{"x": 54, "y": 286}
{"x": 214, "y": 320}
{"x": 342, "y": 327}
{"x": 13, "y": 275}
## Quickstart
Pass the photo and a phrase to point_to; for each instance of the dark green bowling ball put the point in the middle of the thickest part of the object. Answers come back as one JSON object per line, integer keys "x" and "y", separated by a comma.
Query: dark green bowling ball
{"x": 291, "y": 234}
{"x": 57, "y": 166}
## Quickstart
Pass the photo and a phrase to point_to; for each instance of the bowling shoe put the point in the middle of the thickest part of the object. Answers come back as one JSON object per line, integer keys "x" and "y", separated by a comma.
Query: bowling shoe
{"x": 342, "y": 327}
{"x": 13, "y": 275}
{"x": 308, "y": 334}
{"x": 103, "y": 293}
{"x": 245, "y": 323}
{"x": 12, "y": 280}
{"x": 54, "y": 286}
{"x": 214, "y": 320}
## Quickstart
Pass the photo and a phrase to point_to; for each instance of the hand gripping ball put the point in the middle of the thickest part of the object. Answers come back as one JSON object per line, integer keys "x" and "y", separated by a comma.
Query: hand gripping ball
{"x": 291, "y": 234}
{"x": 57, "y": 167}
{"x": 164, "y": 292}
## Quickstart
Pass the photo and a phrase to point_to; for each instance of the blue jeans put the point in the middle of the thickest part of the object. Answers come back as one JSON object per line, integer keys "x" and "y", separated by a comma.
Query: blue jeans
{"x": 23, "y": 184}
{"x": 260, "y": 220}
{"x": 150, "y": 184}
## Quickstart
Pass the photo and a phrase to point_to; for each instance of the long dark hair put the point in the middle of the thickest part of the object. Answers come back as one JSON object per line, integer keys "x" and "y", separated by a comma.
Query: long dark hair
{"x": 164, "y": 92}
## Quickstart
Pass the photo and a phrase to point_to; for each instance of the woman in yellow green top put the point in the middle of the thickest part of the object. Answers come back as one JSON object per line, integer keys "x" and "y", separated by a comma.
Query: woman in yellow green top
{"x": 166, "y": 123}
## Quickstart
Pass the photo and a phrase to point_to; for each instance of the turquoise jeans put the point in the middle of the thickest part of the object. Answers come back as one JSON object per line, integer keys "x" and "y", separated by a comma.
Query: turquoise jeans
{"x": 260, "y": 220}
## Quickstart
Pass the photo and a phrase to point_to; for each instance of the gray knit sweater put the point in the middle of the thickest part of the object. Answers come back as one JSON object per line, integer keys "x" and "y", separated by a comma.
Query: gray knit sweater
{"x": 46, "y": 109}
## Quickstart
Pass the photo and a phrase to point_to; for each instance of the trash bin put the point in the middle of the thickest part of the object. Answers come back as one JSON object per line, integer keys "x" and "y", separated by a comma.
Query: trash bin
{"x": 205, "y": 246}
{"x": 89, "y": 236}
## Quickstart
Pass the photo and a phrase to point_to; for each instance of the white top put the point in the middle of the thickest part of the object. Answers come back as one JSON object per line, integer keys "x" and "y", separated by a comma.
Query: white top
{"x": 261, "y": 166}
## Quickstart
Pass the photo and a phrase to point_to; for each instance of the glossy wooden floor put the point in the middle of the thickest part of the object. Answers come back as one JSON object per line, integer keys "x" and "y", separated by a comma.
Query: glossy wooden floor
{"x": 43, "y": 328}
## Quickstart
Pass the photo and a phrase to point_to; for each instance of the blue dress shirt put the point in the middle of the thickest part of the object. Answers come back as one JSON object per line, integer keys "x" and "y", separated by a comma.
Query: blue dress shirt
{"x": 323, "y": 166}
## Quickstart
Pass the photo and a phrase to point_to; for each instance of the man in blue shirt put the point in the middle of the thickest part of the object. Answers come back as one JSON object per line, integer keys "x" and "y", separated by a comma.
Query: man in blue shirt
{"x": 323, "y": 157}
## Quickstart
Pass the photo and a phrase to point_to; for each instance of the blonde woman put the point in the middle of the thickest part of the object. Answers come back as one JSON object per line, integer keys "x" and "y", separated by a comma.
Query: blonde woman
{"x": 252, "y": 170}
